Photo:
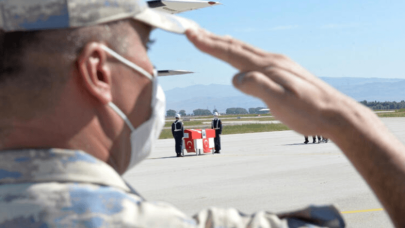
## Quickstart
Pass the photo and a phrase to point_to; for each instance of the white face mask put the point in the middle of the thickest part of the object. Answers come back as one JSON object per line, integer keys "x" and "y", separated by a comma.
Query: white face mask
{"x": 144, "y": 137}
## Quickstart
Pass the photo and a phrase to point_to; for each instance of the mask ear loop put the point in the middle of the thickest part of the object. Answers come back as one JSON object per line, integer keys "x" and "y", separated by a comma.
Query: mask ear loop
{"x": 123, "y": 116}
{"x": 134, "y": 67}
{"x": 126, "y": 62}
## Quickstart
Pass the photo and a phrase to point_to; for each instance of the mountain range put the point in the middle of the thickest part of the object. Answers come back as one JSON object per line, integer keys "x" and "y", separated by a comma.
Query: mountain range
{"x": 222, "y": 97}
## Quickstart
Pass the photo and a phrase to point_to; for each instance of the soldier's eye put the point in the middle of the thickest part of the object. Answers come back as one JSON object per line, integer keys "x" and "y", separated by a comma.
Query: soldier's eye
{"x": 149, "y": 44}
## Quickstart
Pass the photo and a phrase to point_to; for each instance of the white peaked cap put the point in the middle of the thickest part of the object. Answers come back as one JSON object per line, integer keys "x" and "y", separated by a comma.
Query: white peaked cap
{"x": 35, "y": 15}
{"x": 216, "y": 114}
{"x": 178, "y": 116}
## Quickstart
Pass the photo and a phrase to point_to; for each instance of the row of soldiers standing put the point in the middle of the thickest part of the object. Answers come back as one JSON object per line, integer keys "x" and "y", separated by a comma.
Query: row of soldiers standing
{"x": 325, "y": 140}
{"x": 178, "y": 134}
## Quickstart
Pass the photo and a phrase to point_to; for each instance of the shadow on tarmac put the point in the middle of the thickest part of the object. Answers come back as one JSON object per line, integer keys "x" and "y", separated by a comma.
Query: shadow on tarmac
{"x": 163, "y": 157}
{"x": 191, "y": 155}
{"x": 300, "y": 144}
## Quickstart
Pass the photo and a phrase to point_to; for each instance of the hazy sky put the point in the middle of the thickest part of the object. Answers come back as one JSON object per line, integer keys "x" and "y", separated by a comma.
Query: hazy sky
{"x": 339, "y": 38}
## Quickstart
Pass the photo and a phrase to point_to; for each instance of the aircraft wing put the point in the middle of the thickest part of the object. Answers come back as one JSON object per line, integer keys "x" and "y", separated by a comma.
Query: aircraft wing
{"x": 179, "y": 6}
{"x": 172, "y": 72}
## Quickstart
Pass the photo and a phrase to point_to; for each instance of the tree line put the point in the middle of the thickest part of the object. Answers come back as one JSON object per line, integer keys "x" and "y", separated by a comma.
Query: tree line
{"x": 207, "y": 112}
{"x": 375, "y": 105}
{"x": 386, "y": 105}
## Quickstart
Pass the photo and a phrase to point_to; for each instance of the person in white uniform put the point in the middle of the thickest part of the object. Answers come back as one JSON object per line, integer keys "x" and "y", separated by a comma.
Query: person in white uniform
{"x": 217, "y": 125}
{"x": 178, "y": 134}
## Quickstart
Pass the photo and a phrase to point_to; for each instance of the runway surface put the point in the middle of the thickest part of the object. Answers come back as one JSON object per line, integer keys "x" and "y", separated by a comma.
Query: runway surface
{"x": 271, "y": 171}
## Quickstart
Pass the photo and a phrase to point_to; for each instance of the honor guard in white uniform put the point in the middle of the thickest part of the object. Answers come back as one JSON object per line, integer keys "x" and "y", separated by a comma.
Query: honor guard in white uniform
{"x": 217, "y": 125}
{"x": 178, "y": 134}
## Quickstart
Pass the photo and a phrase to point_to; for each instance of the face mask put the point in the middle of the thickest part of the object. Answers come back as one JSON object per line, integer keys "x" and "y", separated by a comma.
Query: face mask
{"x": 145, "y": 136}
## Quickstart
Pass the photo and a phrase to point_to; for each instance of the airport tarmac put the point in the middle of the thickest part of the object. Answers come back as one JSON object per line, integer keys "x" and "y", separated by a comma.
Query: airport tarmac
{"x": 271, "y": 171}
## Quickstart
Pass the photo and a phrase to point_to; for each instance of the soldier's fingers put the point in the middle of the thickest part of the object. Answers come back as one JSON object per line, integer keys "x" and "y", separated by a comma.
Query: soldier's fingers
{"x": 259, "y": 85}
{"x": 245, "y": 46}
{"x": 246, "y": 58}
{"x": 288, "y": 80}
{"x": 234, "y": 52}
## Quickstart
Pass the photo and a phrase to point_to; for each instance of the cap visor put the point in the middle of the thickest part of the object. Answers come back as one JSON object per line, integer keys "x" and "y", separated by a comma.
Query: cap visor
{"x": 166, "y": 21}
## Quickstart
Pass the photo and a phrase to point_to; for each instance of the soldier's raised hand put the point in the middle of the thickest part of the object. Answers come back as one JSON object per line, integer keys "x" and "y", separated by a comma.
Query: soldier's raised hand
{"x": 312, "y": 107}
{"x": 296, "y": 97}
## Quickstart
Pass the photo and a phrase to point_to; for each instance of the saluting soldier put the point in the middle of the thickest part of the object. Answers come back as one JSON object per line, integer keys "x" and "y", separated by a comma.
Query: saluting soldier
{"x": 91, "y": 134}
{"x": 217, "y": 125}
{"x": 178, "y": 134}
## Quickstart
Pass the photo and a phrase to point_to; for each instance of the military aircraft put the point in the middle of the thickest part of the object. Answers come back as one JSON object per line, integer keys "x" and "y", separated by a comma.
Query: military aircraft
{"x": 172, "y": 72}
{"x": 175, "y": 7}
{"x": 179, "y": 6}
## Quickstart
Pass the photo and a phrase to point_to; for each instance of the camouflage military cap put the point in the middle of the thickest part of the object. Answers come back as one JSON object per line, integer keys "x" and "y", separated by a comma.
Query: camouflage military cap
{"x": 31, "y": 15}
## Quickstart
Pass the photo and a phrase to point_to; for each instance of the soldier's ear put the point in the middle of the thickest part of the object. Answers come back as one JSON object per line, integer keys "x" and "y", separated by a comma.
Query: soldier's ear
{"x": 94, "y": 72}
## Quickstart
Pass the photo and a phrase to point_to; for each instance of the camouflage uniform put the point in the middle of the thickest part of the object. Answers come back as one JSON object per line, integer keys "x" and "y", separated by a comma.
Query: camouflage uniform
{"x": 64, "y": 188}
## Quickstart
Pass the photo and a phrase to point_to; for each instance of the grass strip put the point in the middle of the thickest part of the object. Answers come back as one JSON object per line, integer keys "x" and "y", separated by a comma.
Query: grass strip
{"x": 394, "y": 114}
{"x": 239, "y": 129}
{"x": 252, "y": 128}
{"x": 186, "y": 123}
{"x": 223, "y": 116}
{"x": 196, "y": 123}
{"x": 251, "y": 119}
{"x": 166, "y": 134}
{"x": 397, "y": 113}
